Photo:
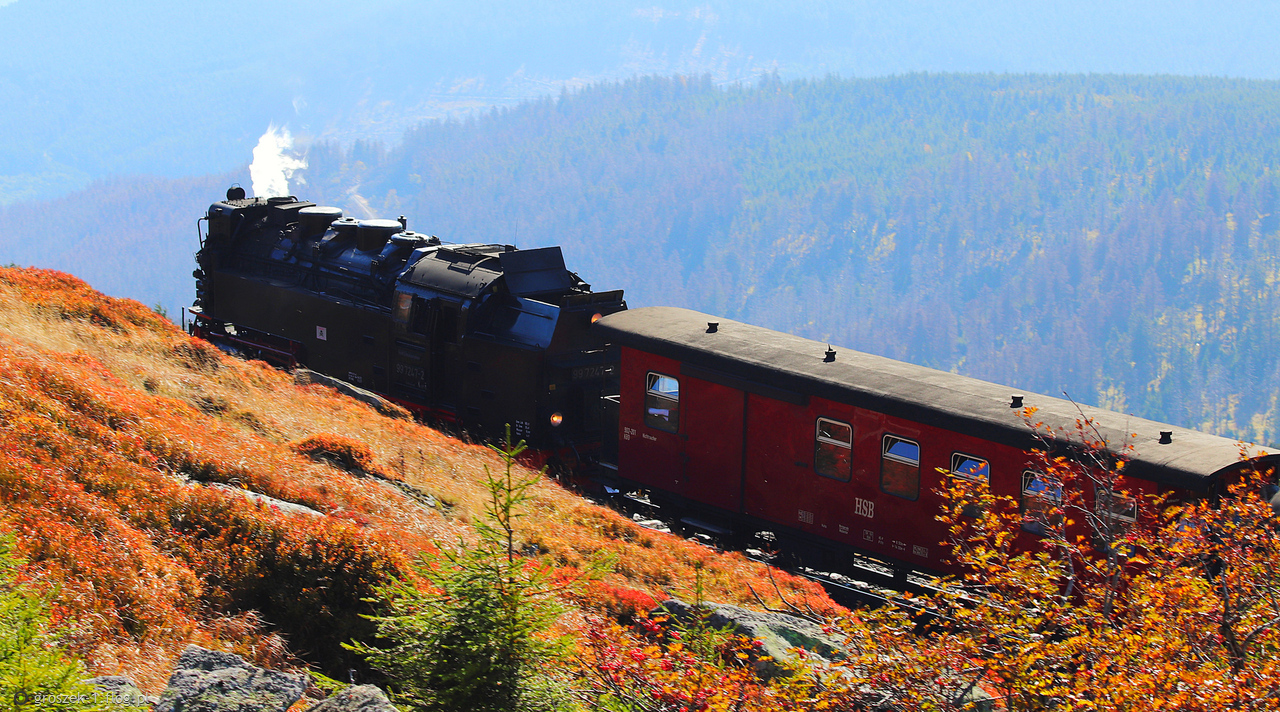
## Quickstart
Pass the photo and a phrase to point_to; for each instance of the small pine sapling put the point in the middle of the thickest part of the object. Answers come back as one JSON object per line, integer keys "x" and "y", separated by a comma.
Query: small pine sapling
{"x": 477, "y": 637}
{"x": 35, "y": 672}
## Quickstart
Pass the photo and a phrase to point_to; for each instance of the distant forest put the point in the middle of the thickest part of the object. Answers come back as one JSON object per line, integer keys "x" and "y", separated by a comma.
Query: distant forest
{"x": 1116, "y": 238}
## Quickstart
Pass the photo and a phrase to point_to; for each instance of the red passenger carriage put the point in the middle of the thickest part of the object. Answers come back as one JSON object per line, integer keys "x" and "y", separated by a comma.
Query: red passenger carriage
{"x": 741, "y": 429}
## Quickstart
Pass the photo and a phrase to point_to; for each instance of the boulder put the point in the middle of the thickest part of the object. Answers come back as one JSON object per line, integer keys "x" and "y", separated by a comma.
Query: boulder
{"x": 213, "y": 681}
{"x": 304, "y": 377}
{"x": 266, "y": 501}
{"x": 118, "y": 691}
{"x": 779, "y": 633}
{"x": 357, "y": 698}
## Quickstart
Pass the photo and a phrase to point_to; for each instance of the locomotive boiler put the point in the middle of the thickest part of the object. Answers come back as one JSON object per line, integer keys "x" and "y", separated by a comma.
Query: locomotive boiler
{"x": 482, "y": 335}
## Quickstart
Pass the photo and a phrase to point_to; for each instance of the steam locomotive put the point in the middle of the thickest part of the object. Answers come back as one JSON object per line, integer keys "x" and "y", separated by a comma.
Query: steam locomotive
{"x": 483, "y": 335}
{"x": 730, "y": 428}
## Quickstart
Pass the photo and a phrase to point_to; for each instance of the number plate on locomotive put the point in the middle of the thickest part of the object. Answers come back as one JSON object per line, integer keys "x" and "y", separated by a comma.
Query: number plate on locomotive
{"x": 582, "y": 373}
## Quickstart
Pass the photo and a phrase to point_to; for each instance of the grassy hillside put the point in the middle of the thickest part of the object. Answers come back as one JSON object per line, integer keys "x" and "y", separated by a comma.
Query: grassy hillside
{"x": 126, "y": 450}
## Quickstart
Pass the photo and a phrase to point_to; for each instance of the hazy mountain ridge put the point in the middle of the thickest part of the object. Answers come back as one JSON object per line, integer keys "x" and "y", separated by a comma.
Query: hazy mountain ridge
{"x": 100, "y": 90}
{"x": 1113, "y": 237}
{"x": 135, "y": 237}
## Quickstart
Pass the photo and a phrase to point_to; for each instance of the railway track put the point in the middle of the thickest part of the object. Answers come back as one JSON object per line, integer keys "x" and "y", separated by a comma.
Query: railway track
{"x": 867, "y": 583}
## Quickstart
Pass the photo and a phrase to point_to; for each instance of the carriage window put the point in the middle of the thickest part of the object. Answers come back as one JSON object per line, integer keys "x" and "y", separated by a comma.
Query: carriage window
{"x": 1117, "y": 507}
{"x": 973, "y": 469}
{"x": 662, "y": 402}
{"x": 970, "y": 467}
{"x": 833, "y": 450}
{"x": 900, "y": 468}
{"x": 1041, "y": 499}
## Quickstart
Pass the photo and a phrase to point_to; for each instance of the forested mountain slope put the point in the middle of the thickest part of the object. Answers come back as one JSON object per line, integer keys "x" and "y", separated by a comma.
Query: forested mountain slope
{"x": 98, "y": 90}
{"x": 1112, "y": 237}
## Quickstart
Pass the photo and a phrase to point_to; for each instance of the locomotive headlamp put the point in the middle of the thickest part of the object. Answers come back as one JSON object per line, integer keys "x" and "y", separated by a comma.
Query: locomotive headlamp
{"x": 596, "y": 317}
{"x": 556, "y": 419}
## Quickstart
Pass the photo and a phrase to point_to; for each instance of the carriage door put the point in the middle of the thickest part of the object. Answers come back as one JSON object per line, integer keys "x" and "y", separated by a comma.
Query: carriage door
{"x": 411, "y": 350}
{"x": 712, "y": 443}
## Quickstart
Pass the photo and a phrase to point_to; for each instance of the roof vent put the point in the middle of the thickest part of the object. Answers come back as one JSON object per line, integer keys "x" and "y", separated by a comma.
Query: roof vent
{"x": 831, "y": 355}
{"x": 713, "y": 327}
{"x": 1166, "y": 437}
{"x": 1015, "y": 402}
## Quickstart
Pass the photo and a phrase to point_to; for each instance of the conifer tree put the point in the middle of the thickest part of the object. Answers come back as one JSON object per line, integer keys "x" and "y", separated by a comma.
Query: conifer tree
{"x": 476, "y": 636}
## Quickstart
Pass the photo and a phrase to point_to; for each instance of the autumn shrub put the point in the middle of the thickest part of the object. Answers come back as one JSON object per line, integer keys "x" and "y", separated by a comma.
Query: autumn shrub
{"x": 114, "y": 580}
{"x": 661, "y": 665}
{"x": 312, "y": 579}
{"x": 618, "y": 602}
{"x": 347, "y": 453}
{"x": 92, "y": 477}
{"x": 72, "y": 298}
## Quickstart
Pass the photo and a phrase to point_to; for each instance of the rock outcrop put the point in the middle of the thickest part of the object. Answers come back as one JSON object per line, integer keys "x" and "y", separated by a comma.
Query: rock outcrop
{"x": 303, "y": 377}
{"x": 779, "y": 633}
{"x": 212, "y": 681}
{"x": 119, "y": 691}
{"x": 358, "y": 698}
{"x": 269, "y": 502}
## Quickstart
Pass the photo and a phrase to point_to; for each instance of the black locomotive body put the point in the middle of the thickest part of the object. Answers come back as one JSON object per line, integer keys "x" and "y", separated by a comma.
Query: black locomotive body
{"x": 484, "y": 335}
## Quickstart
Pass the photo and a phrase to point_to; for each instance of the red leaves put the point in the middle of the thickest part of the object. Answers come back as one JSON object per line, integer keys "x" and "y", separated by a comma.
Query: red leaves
{"x": 100, "y": 477}
{"x": 620, "y": 602}
{"x": 650, "y": 671}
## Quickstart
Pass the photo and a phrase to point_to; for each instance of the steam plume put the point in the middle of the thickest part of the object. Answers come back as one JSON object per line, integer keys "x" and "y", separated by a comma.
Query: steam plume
{"x": 272, "y": 166}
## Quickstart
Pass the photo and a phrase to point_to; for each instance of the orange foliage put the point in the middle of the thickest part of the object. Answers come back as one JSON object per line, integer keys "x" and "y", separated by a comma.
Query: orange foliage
{"x": 652, "y": 668}
{"x": 112, "y": 421}
{"x": 71, "y": 298}
{"x": 1179, "y": 610}
{"x": 347, "y": 453}
{"x": 618, "y": 602}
